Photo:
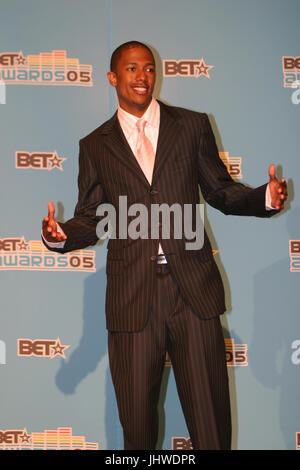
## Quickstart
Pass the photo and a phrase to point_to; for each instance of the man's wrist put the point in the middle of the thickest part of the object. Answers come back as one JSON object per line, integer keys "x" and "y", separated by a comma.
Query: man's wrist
{"x": 58, "y": 244}
{"x": 268, "y": 200}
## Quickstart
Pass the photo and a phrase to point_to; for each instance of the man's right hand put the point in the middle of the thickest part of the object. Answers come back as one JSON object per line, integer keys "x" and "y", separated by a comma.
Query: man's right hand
{"x": 50, "y": 231}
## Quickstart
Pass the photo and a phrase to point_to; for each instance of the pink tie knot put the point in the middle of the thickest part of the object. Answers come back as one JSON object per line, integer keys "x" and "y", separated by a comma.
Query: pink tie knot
{"x": 140, "y": 124}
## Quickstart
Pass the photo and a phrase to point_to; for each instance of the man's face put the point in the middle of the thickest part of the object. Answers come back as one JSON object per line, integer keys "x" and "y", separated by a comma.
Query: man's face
{"x": 134, "y": 80}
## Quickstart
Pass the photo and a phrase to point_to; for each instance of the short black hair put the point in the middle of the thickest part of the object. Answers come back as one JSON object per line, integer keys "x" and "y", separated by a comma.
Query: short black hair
{"x": 118, "y": 52}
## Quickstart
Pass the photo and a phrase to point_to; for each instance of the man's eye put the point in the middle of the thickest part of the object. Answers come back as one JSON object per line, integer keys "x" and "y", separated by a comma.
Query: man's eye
{"x": 131, "y": 69}
{"x": 150, "y": 69}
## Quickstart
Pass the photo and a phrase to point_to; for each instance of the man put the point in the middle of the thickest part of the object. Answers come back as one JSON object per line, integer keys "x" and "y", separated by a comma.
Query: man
{"x": 160, "y": 296}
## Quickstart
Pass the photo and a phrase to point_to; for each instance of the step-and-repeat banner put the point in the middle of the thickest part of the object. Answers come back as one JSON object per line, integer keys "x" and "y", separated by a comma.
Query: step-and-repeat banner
{"x": 238, "y": 61}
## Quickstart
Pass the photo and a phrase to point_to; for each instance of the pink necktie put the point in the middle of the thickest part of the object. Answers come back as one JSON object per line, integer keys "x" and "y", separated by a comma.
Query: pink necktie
{"x": 145, "y": 155}
{"x": 144, "y": 150}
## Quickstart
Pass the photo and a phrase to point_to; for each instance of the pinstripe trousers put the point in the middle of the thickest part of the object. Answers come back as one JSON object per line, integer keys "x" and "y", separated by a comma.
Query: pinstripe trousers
{"x": 197, "y": 351}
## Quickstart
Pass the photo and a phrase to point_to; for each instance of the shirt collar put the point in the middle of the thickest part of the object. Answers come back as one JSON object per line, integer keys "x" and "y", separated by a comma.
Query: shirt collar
{"x": 128, "y": 121}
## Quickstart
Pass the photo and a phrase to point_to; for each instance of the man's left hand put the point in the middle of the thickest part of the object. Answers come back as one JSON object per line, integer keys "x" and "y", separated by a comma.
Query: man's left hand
{"x": 278, "y": 189}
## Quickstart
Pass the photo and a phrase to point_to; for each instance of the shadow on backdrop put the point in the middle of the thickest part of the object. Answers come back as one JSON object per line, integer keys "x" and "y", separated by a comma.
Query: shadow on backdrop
{"x": 276, "y": 323}
{"x": 89, "y": 352}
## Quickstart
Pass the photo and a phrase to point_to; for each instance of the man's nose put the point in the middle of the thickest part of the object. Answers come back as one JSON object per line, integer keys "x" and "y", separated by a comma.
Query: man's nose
{"x": 141, "y": 74}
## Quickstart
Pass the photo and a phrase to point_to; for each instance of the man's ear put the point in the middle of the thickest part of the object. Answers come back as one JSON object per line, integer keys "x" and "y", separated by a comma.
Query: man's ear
{"x": 112, "y": 77}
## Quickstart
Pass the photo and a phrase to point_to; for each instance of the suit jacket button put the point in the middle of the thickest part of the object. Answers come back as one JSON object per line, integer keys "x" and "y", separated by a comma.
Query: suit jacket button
{"x": 153, "y": 192}
{"x": 153, "y": 258}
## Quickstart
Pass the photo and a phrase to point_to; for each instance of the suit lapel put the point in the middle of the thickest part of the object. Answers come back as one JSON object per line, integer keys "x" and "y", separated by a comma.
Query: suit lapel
{"x": 169, "y": 131}
{"x": 116, "y": 142}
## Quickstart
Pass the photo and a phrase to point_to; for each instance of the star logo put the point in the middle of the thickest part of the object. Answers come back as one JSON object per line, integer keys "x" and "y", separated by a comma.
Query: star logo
{"x": 23, "y": 246}
{"x": 55, "y": 161}
{"x": 58, "y": 348}
{"x": 203, "y": 68}
{"x": 25, "y": 437}
{"x": 21, "y": 60}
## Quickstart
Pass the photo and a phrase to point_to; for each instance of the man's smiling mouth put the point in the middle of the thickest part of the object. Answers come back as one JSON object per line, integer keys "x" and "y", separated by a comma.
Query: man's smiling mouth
{"x": 140, "y": 90}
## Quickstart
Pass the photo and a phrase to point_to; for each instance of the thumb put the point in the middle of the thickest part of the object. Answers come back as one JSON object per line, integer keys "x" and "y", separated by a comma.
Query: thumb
{"x": 51, "y": 210}
{"x": 272, "y": 171}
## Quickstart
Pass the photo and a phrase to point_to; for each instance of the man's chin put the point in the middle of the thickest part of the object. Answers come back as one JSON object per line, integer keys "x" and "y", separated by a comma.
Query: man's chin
{"x": 143, "y": 103}
{"x": 137, "y": 106}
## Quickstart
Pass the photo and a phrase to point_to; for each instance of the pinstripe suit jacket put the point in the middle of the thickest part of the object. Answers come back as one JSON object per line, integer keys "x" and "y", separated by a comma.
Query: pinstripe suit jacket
{"x": 186, "y": 157}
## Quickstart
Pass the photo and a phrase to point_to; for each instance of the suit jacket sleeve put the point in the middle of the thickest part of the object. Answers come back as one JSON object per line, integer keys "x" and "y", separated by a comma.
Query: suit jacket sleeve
{"x": 217, "y": 186}
{"x": 81, "y": 229}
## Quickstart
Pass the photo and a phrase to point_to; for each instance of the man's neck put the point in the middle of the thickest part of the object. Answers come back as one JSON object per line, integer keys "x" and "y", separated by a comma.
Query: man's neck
{"x": 137, "y": 114}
